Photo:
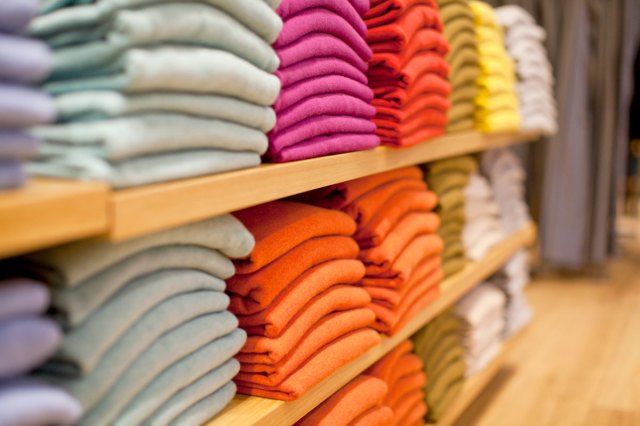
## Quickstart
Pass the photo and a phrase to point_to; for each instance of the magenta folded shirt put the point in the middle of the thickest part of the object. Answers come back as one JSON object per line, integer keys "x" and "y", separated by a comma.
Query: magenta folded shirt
{"x": 330, "y": 104}
{"x": 319, "y": 45}
{"x": 288, "y": 8}
{"x": 319, "y": 86}
{"x": 317, "y": 126}
{"x": 318, "y": 67}
{"x": 361, "y": 6}
{"x": 325, "y": 145}
{"x": 322, "y": 21}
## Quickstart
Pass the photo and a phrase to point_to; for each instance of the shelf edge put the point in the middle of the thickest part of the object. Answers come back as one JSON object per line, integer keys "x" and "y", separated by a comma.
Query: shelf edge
{"x": 152, "y": 208}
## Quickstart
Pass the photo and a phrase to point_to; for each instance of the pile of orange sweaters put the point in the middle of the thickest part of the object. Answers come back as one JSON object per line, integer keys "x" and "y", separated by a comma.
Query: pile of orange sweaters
{"x": 298, "y": 298}
{"x": 396, "y": 232}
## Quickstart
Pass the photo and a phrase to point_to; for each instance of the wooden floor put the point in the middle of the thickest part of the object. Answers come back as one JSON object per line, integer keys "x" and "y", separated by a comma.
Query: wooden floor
{"x": 579, "y": 361}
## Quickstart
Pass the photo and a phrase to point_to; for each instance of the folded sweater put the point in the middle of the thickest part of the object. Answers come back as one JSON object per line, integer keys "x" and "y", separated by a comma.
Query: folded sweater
{"x": 322, "y": 334}
{"x": 346, "y": 405}
{"x": 17, "y": 145}
{"x": 195, "y": 404}
{"x": 330, "y": 104}
{"x": 339, "y": 305}
{"x": 319, "y": 366}
{"x": 194, "y": 24}
{"x": 185, "y": 381}
{"x": 254, "y": 14}
{"x": 180, "y": 69}
{"x": 25, "y": 343}
{"x": 342, "y": 194}
{"x": 109, "y": 385}
{"x": 15, "y": 15}
{"x": 254, "y": 291}
{"x": 146, "y": 169}
{"x": 86, "y": 344}
{"x": 102, "y": 105}
{"x": 21, "y": 106}
{"x": 289, "y": 224}
{"x": 25, "y": 402}
{"x": 125, "y": 138}
{"x": 323, "y": 21}
{"x": 385, "y": 11}
{"x": 348, "y": 10}
{"x": 72, "y": 264}
{"x": 23, "y": 60}
{"x": 22, "y": 297}
{"x": 272, "y": 321}
{"x": 379, "y": 260}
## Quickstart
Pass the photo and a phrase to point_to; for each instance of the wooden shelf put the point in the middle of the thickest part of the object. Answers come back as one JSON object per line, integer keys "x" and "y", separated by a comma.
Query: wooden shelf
{"x": 139, "y": 211}
{"x": 245, "y": 410}
{"x": 50, "y": 211}
{"x": 476, "y": 384}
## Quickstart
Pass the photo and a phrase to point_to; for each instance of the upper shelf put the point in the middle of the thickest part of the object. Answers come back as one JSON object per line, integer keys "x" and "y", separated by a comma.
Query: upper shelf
{"x": 151, "y": 208}
{"x": 49, "y": 212}
{"x": 255, "y": 411}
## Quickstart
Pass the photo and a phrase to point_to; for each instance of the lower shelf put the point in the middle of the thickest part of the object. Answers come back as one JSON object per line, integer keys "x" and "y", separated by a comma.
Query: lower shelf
{"x": 247, "y": 410}
{"x": 476, "y": 384}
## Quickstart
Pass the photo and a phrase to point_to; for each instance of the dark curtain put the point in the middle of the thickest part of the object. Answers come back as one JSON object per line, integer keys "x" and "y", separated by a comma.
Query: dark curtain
{"x": 578, "y": 175}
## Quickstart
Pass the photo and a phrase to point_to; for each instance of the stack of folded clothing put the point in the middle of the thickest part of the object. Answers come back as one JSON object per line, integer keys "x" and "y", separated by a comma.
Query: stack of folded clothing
{"x": 408, "y": 72}
{"x": 507, "y": 177}
{"x": 154, "y": 91}
{"x": 464, "y": 70}
{"x": 297, "y": 299}
{"x": 497, "y": 101}
{"x": 448, "y": 179}
{"x": 358, "y": 403}
{"x": 403, "y": 372}
{"x": 439, "y": 346}
{"x": 483, "y": 228}
{"x": 481, "y": 314}
{"x": 525, "y": 43}
{"x": 26, "y": 341}
{"x": 396, "y": 232}
{"x": 518, "y": 312}
{"x": 324, "y": 107}
{"x": 148, "y": 337}
{"x": 23, "y": 62}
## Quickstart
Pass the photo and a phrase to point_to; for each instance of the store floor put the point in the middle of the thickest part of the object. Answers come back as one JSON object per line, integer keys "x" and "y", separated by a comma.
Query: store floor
{"x": 578, "y": 363}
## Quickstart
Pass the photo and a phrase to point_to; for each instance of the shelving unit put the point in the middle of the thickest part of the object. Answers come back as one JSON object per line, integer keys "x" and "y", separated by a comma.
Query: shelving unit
{"x": 49, "y": 212}
{"x": 245, "y": 410}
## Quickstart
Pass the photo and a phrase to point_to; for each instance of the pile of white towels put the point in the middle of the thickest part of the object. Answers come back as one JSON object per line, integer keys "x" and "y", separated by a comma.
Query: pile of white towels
{"x": 482, "y": 324}
{"x": 483, "y": 228}
{"x": 524, "y": 40}
{"x": 507, "y": 177}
